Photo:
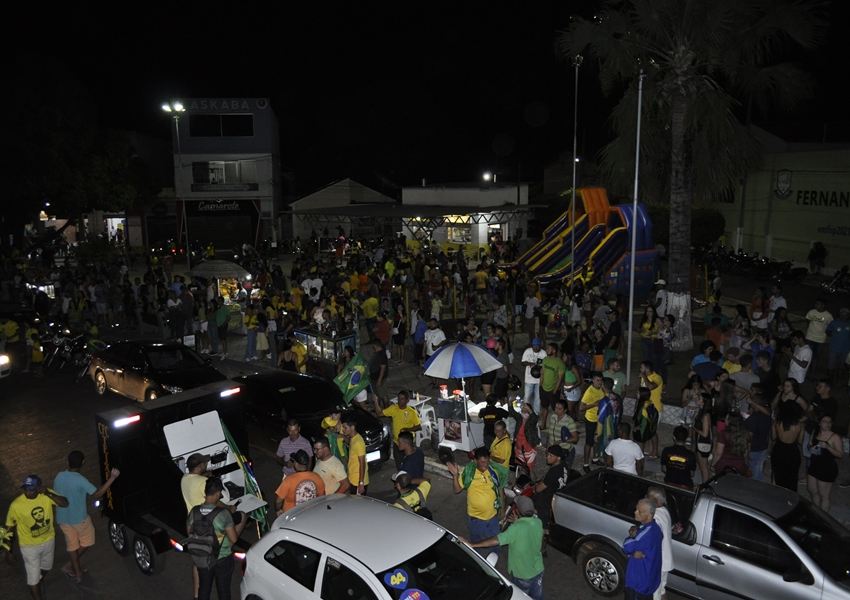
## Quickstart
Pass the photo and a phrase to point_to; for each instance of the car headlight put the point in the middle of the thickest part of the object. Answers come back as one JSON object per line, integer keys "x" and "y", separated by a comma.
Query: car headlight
{"x": 172, "y": 389}
{"x": 385, "y": 432}
{"x": 4, "y": 360}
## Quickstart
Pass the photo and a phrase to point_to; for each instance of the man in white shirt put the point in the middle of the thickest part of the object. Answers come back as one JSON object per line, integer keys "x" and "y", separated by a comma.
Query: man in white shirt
{"x": 531, "y": 303}
{"x": 622, "y": 454}
{"x": 329, "y": 468}
{"x": 776, "y": 302}
{"x": 662, "y": 517}
{"x": 801, "y": 357}
{"x": 531, "y": 358}
{"x": 660, "y": 298}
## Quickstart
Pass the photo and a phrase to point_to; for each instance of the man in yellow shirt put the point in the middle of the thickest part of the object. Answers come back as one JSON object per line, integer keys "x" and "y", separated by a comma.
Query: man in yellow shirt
{"x": 410, "y": 497}
{"x": 485, "y": 499}
{"x": 500, "y": 449}
{"x": 300, "y": 351}
{"x": 31, "y": 517}
{"x": 358, "y": 470}
{"x": 370, "y": 312}
{"x": 590, "y": 407}
{"x": 404, "y": 418}
{"x": 653, "y": 382}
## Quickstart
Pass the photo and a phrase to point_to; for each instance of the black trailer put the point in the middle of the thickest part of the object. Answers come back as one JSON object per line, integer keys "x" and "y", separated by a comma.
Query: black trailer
{"x": 145, "y": 506}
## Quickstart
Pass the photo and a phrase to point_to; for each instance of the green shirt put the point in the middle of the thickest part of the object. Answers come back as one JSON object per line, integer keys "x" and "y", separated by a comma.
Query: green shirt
{"x": 221, "y": 314}
{"x": 222, "y": 521}
{"x": 525, "y": 537}
{"x": 553, "y": 369}
{"x": 619, "y": 381}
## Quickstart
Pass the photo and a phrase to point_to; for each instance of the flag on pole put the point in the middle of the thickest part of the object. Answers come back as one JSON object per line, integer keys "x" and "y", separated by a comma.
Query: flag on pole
{"x": 353, "y": 378}
{"x": 251, "y": 487}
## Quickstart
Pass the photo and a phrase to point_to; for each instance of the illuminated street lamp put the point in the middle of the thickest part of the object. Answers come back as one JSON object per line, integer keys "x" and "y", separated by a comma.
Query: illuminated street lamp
{"x": 175, "y": 107}
{"x": 488, "y": 176}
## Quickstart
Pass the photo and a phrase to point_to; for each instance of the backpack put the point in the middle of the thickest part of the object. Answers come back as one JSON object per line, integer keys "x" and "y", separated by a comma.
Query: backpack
{"x": 203, "y": 543}
{"x": 422, "y": 511}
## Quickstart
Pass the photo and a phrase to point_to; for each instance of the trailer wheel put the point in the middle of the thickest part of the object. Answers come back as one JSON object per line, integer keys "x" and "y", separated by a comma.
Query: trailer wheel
{"x": 119, "y": 538}
{"x": 602, "y": 570}
{"x": 148, "y": 561}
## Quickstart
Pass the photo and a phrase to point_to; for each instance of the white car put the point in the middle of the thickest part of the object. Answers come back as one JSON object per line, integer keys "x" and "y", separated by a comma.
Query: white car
{"x": 359, "y": 548}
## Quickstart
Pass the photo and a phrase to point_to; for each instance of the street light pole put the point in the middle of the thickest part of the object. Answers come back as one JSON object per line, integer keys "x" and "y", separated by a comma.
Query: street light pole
{"x": 176, "y": 107}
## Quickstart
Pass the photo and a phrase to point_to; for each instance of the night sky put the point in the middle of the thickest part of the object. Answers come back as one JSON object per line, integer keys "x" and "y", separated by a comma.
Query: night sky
{"x": 395, "y": 90}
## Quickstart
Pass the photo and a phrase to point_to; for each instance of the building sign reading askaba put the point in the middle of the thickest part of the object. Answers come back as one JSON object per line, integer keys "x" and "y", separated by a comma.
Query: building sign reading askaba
{"x": 226, "y": 104}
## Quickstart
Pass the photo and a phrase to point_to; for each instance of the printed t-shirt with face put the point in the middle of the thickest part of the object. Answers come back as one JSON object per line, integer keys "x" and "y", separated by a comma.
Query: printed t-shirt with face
{"x": 403, "y": 418}
{"x": 480, "y": 496}
{"x": 300, "y": 487}
{"x": 332, "y": 471}
{"x": 356, "y": 449}
{"x": 33, "y": 518}
{"x": 655, "y": 395}
{"x": 553, "y": 369}
{"x": 222, "y": 521}
{"x": 590, "y": 396}
{"x": 411, "y": 498}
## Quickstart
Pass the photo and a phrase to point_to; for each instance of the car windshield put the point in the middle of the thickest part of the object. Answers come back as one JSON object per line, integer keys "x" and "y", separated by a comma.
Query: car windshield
{"x": 449, "y": 569}
{"x": 823, "y": 538}
{"x": 312, "y": 398}
{"x": 171, "y": 359}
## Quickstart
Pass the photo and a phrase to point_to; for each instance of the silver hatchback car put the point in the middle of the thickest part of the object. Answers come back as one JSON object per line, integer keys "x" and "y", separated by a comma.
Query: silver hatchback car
{"x": 354, "y": 547}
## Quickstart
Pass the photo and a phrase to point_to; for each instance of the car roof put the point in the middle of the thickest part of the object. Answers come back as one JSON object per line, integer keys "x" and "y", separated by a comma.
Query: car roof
{"x": 279, "y": 381}
{"x": 376, "y": 533}
{"x": 772, "y": 500}
{"x": 152, "y": 344}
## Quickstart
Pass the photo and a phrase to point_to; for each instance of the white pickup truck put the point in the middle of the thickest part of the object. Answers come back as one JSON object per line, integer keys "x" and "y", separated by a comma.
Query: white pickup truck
{"x": 738, "y": 538}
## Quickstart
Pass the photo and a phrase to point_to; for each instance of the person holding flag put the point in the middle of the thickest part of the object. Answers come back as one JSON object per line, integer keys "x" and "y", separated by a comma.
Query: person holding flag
{"x": 353, "y": 379}
{"x": 609, "y": 416}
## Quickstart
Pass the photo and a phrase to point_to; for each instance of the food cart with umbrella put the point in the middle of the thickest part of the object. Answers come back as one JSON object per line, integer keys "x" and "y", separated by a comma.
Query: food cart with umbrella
{"x": 459, "y": 361}
{"x": 223, "y": 271}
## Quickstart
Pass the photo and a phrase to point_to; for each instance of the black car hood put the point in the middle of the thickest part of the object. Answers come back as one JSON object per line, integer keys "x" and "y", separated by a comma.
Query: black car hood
{"x": 187, "y": 378}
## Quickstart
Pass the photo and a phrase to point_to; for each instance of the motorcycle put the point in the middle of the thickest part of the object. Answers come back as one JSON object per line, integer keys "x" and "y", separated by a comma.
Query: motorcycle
{"x": 523, "y": 486}
{"x": 841, "y": 281}
{"x": 82, "y": 359}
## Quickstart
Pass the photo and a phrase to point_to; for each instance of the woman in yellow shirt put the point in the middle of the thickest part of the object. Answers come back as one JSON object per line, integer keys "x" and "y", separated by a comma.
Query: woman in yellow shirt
{"x": 648, "y": 330}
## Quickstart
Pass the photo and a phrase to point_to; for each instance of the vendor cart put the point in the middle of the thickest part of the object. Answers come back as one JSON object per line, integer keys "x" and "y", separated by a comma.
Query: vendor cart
{"x": 324, "y": 349}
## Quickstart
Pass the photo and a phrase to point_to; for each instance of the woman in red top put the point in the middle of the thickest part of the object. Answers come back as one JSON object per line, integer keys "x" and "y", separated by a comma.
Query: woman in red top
{"x": 732, "y": 446}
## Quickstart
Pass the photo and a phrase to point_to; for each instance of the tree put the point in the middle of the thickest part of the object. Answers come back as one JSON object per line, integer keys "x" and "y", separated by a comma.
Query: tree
{"x": 699, "y": 57}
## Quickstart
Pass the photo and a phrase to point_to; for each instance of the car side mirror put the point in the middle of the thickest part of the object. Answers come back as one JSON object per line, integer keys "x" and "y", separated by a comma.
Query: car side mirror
{"x": 492, "y": 559}
{"x": 798, "y": 575}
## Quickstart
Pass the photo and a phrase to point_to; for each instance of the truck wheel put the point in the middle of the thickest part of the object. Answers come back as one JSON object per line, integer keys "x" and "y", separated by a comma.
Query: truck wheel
{"x": 119, "y": 538}
{"x": 100, "y": 383}
{"x": 602, "y": 570}
{"x": 148, "y": 561}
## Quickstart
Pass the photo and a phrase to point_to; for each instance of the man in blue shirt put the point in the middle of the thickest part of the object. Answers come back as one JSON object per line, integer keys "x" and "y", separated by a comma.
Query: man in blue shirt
{"x": 643, "y": 573}
{"x": 74, "y": 519}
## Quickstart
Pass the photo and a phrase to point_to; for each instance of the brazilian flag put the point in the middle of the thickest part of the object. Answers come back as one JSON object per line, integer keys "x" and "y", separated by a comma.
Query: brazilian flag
{"x": 353, "y": 378}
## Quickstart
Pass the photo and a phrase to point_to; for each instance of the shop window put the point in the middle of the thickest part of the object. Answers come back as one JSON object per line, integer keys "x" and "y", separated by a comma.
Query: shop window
{"x": 217, "y": 172}
{"x": 221, "y": 125}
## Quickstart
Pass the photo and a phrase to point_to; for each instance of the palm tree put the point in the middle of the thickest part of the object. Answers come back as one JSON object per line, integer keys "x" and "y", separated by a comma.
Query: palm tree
{"x": 699, "y": 58}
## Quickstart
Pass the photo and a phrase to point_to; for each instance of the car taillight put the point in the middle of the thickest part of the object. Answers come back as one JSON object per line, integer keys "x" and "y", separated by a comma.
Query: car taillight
{"x": 244, "y": 560}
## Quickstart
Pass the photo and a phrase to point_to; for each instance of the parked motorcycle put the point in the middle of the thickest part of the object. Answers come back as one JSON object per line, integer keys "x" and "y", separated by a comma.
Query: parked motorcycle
{"x": 841, "y": 281}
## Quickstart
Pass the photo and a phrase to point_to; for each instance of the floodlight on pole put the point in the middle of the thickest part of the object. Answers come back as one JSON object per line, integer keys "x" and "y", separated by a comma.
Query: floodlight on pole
{"x": 488, "y": 176}
{"x": 176, "y": 107}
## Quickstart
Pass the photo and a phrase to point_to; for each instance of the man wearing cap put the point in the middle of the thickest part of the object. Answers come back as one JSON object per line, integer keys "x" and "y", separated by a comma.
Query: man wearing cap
{"x": 290, "y": 445}
{"x": 554, "y": 479}
{"x": 659, "y": 299}
{"x": 411, "y": 496}
{"x": 192, "y": 484}
{"x": 404, "y": 418}
{"x": 31, "y": 516}
{"x": 329, "y": 468}
{"x": 226, "y": 533}
{"x": 301, "y": 486}
{"x": 525, "y": 537}
{"x": 532, "y": 358}
{"x": 74, "y": 521}
{"x": 839, "y": 347}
